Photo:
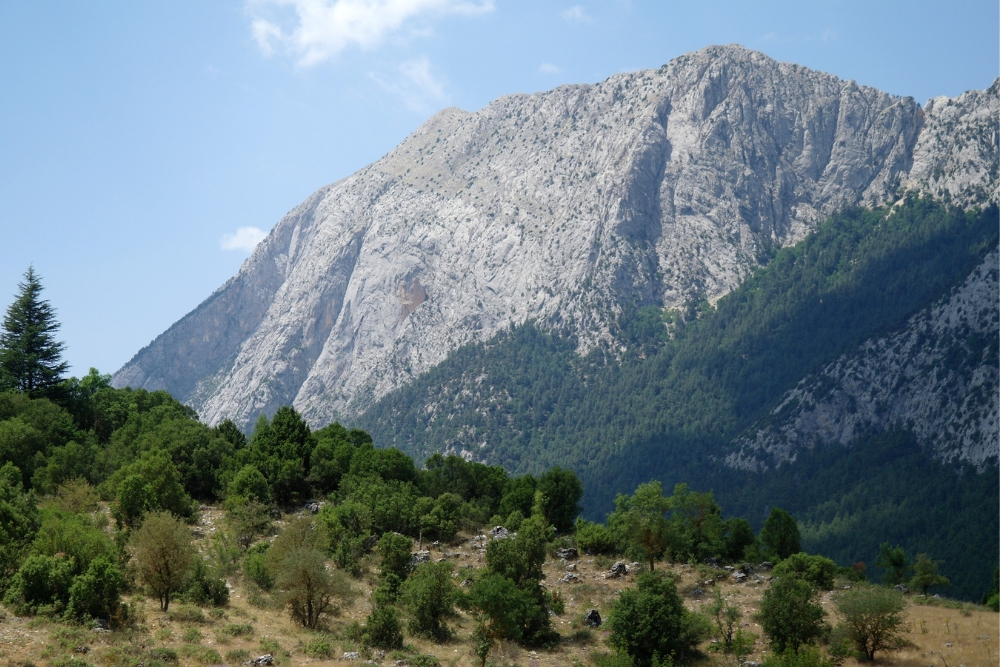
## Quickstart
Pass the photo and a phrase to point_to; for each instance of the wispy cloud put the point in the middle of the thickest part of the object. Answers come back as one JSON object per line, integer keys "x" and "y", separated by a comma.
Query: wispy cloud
{"x": 313, "y": 31}
{"x": 548, "y": 68}
{"x": 245, "y": 239}
{"x": 416, "y": 84}
{"x": 576, "y": 14}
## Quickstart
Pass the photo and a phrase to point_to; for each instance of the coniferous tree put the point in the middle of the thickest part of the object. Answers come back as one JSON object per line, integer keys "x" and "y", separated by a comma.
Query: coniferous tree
{"x": 30, "y": 356}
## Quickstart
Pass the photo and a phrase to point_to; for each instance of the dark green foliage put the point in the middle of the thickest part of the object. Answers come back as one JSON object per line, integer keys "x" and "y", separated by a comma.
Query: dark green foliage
{"x": 395, "y": 557}
{"x": 18, "y": 522}
{"x": 893, "y": 561}
{"x": 73, "y": 535}
{"x": 151, "y": 483}
{"x": 428, "y": 596}
{"x": 991, "y": 598}
{"x": 817, "y": 571}
{"x": 649, "y": 622}
{"x": 30, "y": 356}
{"x": 807, "y": 656}
{"x": 97, "y": 592}
{"x": 41, "y": 585}
{"x": 670, "y": 405}
{"x": 594, "y": 538}
{"x": 502, "y": 610}
{"x": 642, "y": 523}
{"x": 382, "y": 627}
{"x": 249, "y": 483}
{"x": 926, "y": 575}
{"x": 738, "y": 535}
{"x": 780, "y": 535}
{"x": 563, "y": 491}
{"x": 789, "y": 614}
{"x": 205, "y": 589}
{"x": 255, "y": 567}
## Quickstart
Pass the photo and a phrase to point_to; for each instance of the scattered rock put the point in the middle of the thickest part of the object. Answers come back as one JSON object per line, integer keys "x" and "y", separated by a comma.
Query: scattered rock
{"x": 465, "y": 583}
{"x": 261, "y": 661}
{"x": 569, "y": 578}
{"x": 499, "y": 533}
{"x": 81, "y": 649}
{"x": 766, "y": 565}
{"x": 728, "y": 568}
{"x": 420, "y": 557}
{"x": 571, "y": 567}
{"x": 739, "y": 577}
{"x": 708, "y": 582}
{"x": 592, "y": 618}
{"x": 351, "y": 655}
{"x": 901, "y": 588}
{"x": 698, "y": 592}
{"x": 568, "y": 553}
{"x": 312, "y": 508}
{"x": 275, "y": 514}
{"x": 619, "y": 569}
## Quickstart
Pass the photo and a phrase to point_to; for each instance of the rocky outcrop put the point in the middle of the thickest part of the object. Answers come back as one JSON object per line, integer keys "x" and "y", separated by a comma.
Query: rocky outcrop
{"x": 654, "y": 187}
{"x": 936, "y": 377}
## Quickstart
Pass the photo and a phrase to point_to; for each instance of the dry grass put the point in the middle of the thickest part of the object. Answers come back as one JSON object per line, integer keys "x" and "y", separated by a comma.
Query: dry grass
{"x": 939, "y": 635}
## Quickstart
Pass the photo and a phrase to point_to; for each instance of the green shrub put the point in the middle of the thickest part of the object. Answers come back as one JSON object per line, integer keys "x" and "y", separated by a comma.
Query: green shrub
{"x": 807, "y": 656}
{"x": 319, "y": 648}
{"x": 255, "y": 566}
{"x": 238, "y": 630}
{"x": 192, "y": 635}
{"x": 382, "y": 628}
{"x": 594, "y": 538}
{"x": 650, "y": 620}
{"x": 429, "y": 597}
{"x": 97, "y": 592}
{"x": 163, "y": 654}
{"x": 186, "y": 613}
{"x": 206, "y": 589}
{"x": 237, "y": 656}
{"x": 41, "y": 585}
{"x": 210, "y": 656}
{"x": 817, "y": 570}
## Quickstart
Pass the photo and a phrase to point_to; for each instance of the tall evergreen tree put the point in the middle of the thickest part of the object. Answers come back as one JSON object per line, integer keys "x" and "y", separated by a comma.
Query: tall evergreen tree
{"x": 30, "y": 356}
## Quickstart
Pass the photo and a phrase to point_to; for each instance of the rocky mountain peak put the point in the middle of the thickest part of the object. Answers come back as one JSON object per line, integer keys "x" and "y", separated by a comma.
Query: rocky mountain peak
{"x": 652, "y": 187}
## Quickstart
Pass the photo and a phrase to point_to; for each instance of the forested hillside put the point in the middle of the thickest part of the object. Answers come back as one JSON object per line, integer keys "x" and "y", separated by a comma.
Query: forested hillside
{"x": 689, "y": 382}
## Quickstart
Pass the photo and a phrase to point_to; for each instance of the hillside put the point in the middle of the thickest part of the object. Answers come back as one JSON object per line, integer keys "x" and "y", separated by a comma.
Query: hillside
{"x": 653, "y": 188}
{"x": 675, "y": 407}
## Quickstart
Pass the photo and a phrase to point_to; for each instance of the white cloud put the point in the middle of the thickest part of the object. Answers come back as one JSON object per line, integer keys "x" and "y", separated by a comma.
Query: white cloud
{"x": 245, "y": 239}
{"x": 313, "y": 31}
{"x": 416, "y": 84}
{"x": 548, "y": 68}
{"x": 575, "y": 14}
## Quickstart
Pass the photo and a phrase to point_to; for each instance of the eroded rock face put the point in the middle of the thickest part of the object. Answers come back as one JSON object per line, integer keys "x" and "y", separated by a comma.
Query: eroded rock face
{"x": 654, "y": 187}
{"x": 903, "y": 380}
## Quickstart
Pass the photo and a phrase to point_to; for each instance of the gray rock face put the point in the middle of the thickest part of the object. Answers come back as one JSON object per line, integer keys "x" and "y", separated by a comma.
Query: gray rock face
{"x": 655, "y": 187}
{"x": 903, "y": 380}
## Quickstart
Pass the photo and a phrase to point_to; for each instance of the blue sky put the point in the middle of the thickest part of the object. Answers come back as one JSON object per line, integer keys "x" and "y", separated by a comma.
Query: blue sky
{"x": 137, "y": 140}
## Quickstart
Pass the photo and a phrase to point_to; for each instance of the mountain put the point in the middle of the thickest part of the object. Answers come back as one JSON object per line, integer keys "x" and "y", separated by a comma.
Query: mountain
{"x": 659, "y": 188}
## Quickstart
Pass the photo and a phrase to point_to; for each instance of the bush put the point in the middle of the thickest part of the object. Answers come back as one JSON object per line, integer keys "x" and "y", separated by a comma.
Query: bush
{"x": 186, "y": 614}
{"x": 255, "y": 566}
{"x": 205, "y": 589}
{"x": 429, "y": 597}
{"x": 395, "y": 556}
{"x": 816, "y": 570}
{"x": 164, "y": 555}
{"x": 163, "y": 654}
{"x": 788, "y": 614}
{"x": 308, "y": 589}
{"x": 238, "y": 630}
{"x": 650, "y": 620}
{"x": 594, "y": 538}
{"x": 41, "y": 585}
{"x": 97, "y": 592}
{"x": 382, "y": 627}
{"x": 237, "y": 656}
{"x": 807, "y": 656}
{"x": 319, "y": 648}
{"x": 873, "y": 619}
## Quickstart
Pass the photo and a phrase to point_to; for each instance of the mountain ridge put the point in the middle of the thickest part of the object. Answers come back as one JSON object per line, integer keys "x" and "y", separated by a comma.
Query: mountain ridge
{"x": 659, "y": 187}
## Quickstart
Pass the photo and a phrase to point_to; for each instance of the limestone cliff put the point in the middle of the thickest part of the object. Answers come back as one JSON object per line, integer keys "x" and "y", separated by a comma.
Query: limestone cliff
{"x": 936, "y": 377}
{"x": 653, "y": 187}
